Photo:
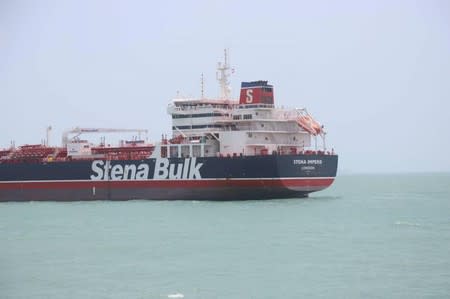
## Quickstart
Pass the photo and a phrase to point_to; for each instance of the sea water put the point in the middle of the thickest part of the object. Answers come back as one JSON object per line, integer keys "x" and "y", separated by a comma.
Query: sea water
{"x": 368, "y": 236}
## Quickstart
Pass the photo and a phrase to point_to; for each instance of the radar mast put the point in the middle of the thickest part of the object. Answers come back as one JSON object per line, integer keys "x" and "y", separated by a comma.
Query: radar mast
{"x": 223, "y": 72}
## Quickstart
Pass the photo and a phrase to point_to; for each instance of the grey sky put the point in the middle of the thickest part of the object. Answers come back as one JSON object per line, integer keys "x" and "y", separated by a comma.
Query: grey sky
{"x": 376, "y": 73}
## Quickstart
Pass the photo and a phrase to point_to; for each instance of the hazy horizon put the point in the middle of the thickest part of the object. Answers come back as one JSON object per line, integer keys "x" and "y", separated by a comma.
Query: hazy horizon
{"x": 376, "y": 74}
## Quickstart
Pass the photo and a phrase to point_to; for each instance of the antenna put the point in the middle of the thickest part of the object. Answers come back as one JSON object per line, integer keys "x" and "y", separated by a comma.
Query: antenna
{"x": 223, "y": 72}
{"x": 202, "y": 87}
{"x": 47, "y": 142}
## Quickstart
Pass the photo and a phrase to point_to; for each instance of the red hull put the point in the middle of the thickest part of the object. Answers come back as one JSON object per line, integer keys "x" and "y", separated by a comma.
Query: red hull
{"x": 205, "y": 189}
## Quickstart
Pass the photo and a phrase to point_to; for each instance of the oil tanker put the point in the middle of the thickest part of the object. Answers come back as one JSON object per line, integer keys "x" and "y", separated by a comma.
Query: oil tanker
{"x": 220, "y": 149}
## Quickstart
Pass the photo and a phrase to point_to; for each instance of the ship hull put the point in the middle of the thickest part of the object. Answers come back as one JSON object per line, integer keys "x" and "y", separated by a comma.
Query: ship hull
{"x": 232, "y": 178}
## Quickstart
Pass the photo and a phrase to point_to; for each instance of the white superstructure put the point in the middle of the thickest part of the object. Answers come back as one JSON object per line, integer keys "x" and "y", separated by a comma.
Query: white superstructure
{"x": 250, "y": 126}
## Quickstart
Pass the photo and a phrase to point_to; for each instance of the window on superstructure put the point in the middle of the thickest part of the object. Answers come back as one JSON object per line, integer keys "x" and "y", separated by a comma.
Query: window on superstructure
{"x": 247, "y": 116}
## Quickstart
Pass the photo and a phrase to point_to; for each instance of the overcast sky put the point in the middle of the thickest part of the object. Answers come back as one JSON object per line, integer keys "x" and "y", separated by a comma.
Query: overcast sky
{"x": 375, "y": 73}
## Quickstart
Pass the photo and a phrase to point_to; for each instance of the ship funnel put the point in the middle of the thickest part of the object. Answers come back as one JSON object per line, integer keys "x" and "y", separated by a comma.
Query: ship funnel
{"x": 256, "y": 92}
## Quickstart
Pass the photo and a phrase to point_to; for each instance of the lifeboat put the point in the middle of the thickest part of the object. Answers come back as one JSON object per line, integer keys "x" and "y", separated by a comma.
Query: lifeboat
{"x": 309, "y": 124}
{"x": 305, "y": 123}
{"x": 316, "y": 126}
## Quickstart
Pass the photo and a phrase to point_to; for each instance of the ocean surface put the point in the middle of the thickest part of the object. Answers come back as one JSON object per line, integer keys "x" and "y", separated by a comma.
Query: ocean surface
{"x": 368, "y": 236}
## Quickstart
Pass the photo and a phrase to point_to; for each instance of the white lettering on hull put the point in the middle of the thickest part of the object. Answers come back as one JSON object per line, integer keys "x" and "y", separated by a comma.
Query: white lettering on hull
{"x": 188, "y": 169}
{"x": 307, "y": 162}
{"x": 161, "y": 169}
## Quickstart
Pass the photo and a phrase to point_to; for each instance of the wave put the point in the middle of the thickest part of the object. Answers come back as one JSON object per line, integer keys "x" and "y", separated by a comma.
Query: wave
{"x": 176, "y": 295}
{"x": 406, "y": 223}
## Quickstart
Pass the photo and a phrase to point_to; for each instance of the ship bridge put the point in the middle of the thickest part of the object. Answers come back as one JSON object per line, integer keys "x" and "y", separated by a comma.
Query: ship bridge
{"x": 251, "y": 125}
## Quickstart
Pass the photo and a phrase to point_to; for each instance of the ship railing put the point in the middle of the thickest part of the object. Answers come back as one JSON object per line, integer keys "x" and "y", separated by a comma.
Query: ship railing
{"x": 172, "y": 107}
{"x": 251, "y": 106}
{"x": 278, "y": 152}
{"x": 292, "y": 114}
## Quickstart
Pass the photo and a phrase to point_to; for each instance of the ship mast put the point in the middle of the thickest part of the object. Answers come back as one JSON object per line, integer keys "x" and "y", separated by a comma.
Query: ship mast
{"x": 223, "y": 72}
{"x": 202, "y": 82}
{"x": 48, "y": 131}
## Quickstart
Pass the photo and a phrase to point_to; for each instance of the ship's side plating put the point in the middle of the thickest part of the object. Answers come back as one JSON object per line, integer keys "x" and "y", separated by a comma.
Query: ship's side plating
{"x": 221, "y": 178}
